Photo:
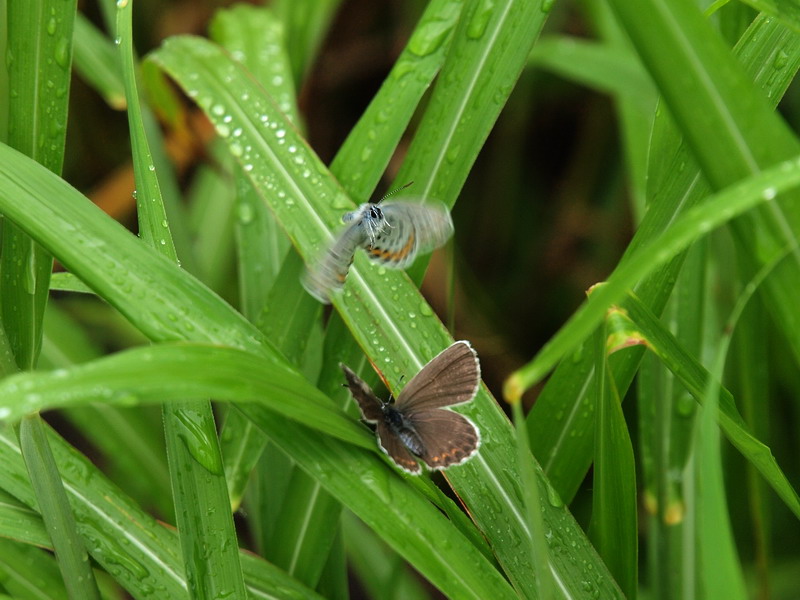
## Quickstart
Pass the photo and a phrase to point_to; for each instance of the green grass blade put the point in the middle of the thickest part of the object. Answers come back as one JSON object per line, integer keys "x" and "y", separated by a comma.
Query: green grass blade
{"x": 600, "y": 66}
{"x": 716, "y": 106}
{"x": 538, "y": 550}
{"x": 96, "y": 61}
{"x": 614, "y": 516}
{"x": 786, "y": 10}
{"x": 211, "y": 218}
{"x": 18, "y": 522}
{"x": 695, "y": 379}
{"x": 306, "y": 23}
{"x": 56, "y": 512}
{"x": 143, "y": 555}
{"x": 129, "y": 439}
{"x": 29, "y": 573}
{"x": 720, "y": 570}
{"x": 169, "y": 372}
{"x": 752, "y": 381}
{"x": 674, "y": 185}
{"x": 717, "y": 210}
{"x": 153, "y": 225}
{"x": 255, "y": 37}
{"x": 666, "y": 417}
{"x": 365, "y": 153}
{"x": 205, "y": 525}
{"x": 382, "y": 572}
{"x": 39, "y": 52}
{"x": 490, "y": 48}
{"x": 334, "y": 580}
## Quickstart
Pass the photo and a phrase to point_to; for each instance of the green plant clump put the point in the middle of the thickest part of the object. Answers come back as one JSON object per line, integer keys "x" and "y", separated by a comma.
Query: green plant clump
{"x": 625, "y": 262}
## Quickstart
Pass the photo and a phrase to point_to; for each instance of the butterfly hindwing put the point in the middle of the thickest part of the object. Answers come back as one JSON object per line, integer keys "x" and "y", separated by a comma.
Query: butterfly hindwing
{"x": 452, "y": 377}
{"x": 448, "y": 438}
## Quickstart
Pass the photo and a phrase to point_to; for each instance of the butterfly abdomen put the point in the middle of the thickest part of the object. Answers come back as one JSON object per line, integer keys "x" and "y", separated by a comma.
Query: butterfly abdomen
{"x": 400, "y": 426}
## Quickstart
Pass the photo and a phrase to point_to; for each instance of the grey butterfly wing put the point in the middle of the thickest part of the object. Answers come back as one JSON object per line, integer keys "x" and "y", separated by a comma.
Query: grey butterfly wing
{"x": 452, "y": 377}
{"x": 367, "y": 401}
{"x": 330, "y": 271}
{"x": 411, "y": 228}
{"x": 448, "y": 438}
{"x": 393, "y": 447}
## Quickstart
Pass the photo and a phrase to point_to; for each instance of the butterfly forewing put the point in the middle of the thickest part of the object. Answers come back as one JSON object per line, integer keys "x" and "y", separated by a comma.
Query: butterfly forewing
{"x": 450, "y": 378}
{"x": 368, "y": 402}
{"x": 449, "y": 438}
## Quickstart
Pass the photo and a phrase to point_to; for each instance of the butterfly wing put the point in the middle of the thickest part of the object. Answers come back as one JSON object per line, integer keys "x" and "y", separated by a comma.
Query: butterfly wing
{"x": 330, "y": 271}
{"x": 393, "y": 447}
{"x": 410, "y": 228}
{"x": 367, "y": 401}
{"x": 448, "y": 438}
{"x": 450, "y": 378}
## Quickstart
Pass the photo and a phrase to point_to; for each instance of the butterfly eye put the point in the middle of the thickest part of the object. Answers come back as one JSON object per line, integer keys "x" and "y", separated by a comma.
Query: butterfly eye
{"x": 376, "y": 213}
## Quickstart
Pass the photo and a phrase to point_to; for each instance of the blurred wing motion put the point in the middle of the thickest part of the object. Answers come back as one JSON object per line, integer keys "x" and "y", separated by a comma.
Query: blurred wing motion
{"x": 410, "y": 229}
{"x": 391, "y": 233}
{"x": 330, "y": 271}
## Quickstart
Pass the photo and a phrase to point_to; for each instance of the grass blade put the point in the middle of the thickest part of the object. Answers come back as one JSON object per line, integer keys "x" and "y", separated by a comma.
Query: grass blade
{"x": 205, "y": 527}
{"x": 56, "y": 511}
{"x": 695, "y": 379}
{"x": 613, "y": 525}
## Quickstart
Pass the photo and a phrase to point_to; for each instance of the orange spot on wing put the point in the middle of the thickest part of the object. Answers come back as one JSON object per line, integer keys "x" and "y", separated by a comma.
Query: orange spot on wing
{"x": 394, "y": 256}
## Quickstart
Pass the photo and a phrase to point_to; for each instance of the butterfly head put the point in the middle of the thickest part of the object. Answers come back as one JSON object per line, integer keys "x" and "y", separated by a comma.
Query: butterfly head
{"x": 365, "y": 212}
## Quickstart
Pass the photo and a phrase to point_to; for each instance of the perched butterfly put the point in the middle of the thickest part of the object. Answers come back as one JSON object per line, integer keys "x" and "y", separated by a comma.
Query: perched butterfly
{"x": 418, "y": 425}
{"x": 392, "y": 233}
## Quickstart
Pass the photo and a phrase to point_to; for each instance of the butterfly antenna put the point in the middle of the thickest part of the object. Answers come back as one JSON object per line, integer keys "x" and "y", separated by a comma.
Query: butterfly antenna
{"x": 393, "y": 192}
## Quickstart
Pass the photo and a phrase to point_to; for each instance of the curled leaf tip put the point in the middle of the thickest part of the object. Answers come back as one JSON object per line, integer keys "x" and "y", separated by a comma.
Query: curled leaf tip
{"x": 594, "y": 287}
{"x": 513, "y": 389}
{"x": 620, "y": 341}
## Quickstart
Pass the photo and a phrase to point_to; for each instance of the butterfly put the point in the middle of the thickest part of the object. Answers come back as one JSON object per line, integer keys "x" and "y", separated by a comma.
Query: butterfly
{"x": 392, "y": 233}
{"x": 417, "y": 425}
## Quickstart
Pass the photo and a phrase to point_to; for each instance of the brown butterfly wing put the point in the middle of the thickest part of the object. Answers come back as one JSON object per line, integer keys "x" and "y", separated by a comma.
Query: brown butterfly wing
{"x": 392, "y": 446}
{"x": 448, "y": 438}
{"x": 450, "y": 378}
{"x": 367, "y": 401}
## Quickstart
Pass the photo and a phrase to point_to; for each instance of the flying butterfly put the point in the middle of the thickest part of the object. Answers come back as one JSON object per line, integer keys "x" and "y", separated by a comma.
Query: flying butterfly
{"x": 392, "y": 233}
{"x": 418, "y": 425}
